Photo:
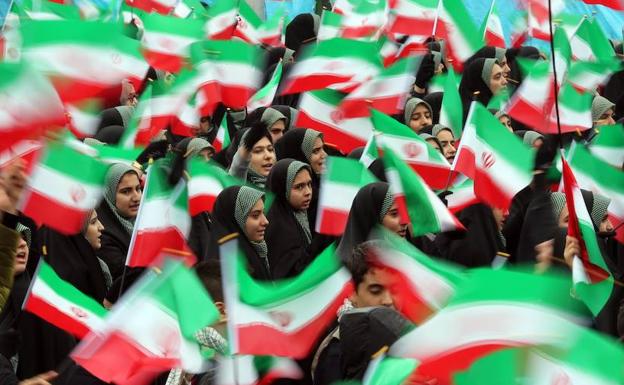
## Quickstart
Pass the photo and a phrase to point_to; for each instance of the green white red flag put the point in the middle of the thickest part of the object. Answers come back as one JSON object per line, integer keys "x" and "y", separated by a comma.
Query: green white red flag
{"x": 83, "y": 59}
{"x": 61, "y": 304}
{"x": 255, "y": 370}
{"x": 456, "y": 26}
{"x": 385, "y": 92}
{"x": 416, "y": 202}
{"x": 341, "y": 181}
{"x": 253, "y": 30}
{"x": 205, "y": 183}
{"x": 383, "y": 370}
{"x": 589, "y": 42}
{"x": 319, "y": 110}
{"x": 420, "y": 286}
{"x": 428, "y": 162}
{"x": 462, "y": 195}
{"x": 593, "y": 282}
{"x": 329, "y": 27}
{"x": 492, "y": 28}
{"x": 538, "y": 20}
{"x": 83, "y": 118}
{"x": 222, "y": 140}
{"x": 28, "y": 103}
{"x": 588, "y": 76}
{"x": 151, "y": 329}
{"x": 222, "y": 20}
{"x": 66, "y": 204}
{"x": 413, "y": 17}
{"x": 281, "y": 318}
{"x": 364, "y": 21}
{"x": 186, "y": 121}
{"x": 451, "y": 110}
{"x": 265, "y": 95}
{"x": 609, "y": 145}
{"x": 166, "y": 40}
{"x": 333, "y": 62}
{"x": 494, "y": 158}
{"x": 371, "y": 151}
{"x": 163, "y": 221}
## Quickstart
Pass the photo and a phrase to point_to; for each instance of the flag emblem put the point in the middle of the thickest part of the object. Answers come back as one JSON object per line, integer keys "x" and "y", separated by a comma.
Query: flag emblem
{"x": 336, "y": 116}
{"x": 283, "y": 318}
{"x": 79, "y": 312}
{"x": 78, "y": 193}
{"x": 411, "y": 149}
{"x": 488, "y": 159}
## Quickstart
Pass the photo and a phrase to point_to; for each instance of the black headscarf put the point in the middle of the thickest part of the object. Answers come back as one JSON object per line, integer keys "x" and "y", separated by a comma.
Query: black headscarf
{"x": 302, "y": 30}
{"x": 435, "y": 101}
{"x": 224, "y": 214}
{"x": 472, "y": 81}
{"x": 288, "y": 235}
{"x": 110, "y": 134}
{"x": 369, "y": 207}
{"x": 289, "y": 112}
{"x": 512, "y": 54}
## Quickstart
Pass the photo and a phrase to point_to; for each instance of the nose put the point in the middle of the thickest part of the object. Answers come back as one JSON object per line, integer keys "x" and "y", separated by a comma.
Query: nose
{"x": 611, "y": 120}
{"x": 387, "y": 299}
{"x": 307, "y": 191}
{"x": 264, "y": 221}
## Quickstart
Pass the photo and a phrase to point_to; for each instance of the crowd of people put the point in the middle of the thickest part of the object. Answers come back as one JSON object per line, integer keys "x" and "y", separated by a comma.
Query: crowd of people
{"x": 272, "y": 156}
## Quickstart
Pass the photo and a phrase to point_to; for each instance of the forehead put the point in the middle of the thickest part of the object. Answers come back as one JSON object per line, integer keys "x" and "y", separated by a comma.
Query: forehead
{"x": 373, "y": 277}
{"x": 496, "y": 69}
{"x": 264, "y": 142}
{"x": 129, "y": 179}
{"x": 302, "y": 176}
{"x": 318, "y": 142}
{"x": 421, "y": 108}
{"x": 445, "y": 135}
{"x": 259, "y": 206}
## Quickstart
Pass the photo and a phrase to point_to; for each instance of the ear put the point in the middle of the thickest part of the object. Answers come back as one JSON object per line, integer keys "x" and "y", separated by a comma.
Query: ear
{"x": 221, "y": 308}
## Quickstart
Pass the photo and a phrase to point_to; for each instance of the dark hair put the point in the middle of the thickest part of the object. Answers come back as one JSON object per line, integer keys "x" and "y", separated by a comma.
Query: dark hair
{"x": 360, "y": 262}
{"x": 209, "y": 273}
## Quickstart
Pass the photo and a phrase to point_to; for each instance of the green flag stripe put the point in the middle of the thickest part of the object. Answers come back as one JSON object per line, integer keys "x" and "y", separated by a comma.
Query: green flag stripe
{"x": 74, "y": 164}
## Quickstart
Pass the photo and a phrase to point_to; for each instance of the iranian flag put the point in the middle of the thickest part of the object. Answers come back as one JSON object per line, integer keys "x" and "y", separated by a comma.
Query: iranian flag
{"x": 29, "y": 105}
{"x": 163, "y": 7}
{"x": 494, "y": 158}
{"x": 333, "y": 62}
{"x": 186, "y": 121}
{"x": 341, "y": 181}
{"x": 451, "y": 110}
{"x": 166, "y": 40}
{"x": 462, "y": 195}
{"x": 66, "y": 204}
{"x": 151, "y": 329}
{"x": 492, "y": 311}
{"x": 329, "y": 27}
{"x": 205, "y": 183}
{"x": 83, "y": 59}
{"x": 371, "y": 151}
{"x": 589, "y": 43}
{"x": 417, "y": 204}
{"x": 222, "y": 140}
{"x": 222, "y": 20}
{"x": 112, "y": 154}
{"x": 609, "y": 145}
{"x": 413, "y": 17}
{"x": 365, "y": 20}
{"x": 26, "y": 150}
{"x": 319, "y": 110}
{"x": 237, "y": 69}
{"x": 588, "y": 76}
{"x": 456, "y": 26}
{"x": 83, "y": 118}
{"x": 163, "y": 221}
{"x": 281, "y": 318}
{"x": 614, "y": 4}
{"x": 492, "y": 28}
{"x": 255, "y": 370}
{"x": 428, "y": 162}
{"x": 265, "y": 95}
{"x": 61, "y": 304}
{"x": 385, "y": 92}
{"x": 538, "y": 21}
{"x": 574, "y": 112}
{"x": 253, "y": 30}
{"x": 384, "y": 370}
{"x": 593, "y": 282}
{"x": 420, "y": 286}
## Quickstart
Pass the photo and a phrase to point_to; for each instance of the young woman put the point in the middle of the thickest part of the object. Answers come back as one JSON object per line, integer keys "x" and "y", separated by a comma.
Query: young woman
{"x": 447, "y": 141}
{"x": 255, "y": 156}
{"x": 417, "y": 114}
{"x": 483, "y": 78}
{"x": 276, "y": 123}
{"x": 240, "y": 209}
{"x": 117, "y": 213}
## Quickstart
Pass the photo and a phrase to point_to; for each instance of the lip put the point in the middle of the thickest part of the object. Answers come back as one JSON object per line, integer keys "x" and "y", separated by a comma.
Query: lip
{"x": 402, "y": 233}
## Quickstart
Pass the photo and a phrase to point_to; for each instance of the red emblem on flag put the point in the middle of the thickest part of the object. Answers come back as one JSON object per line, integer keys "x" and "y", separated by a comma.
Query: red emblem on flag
{"x": 281, "y": 317}
{"x": 78, "y": 312}
{"x": 336, "y": 116}
{"x": 487, "y": 159}
{"x": 78, "y": 193}
{"x": 411, "y": 149}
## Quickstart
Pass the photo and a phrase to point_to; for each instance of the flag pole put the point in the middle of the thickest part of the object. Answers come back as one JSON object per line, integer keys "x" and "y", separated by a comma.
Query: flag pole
{"x": 554, "y": 67}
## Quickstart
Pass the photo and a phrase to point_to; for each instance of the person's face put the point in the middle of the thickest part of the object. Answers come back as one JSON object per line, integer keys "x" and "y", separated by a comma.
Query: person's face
{"x": 277, "y": 130}
{"x": 128, "y": 195}
{"x": 21, "y": 257}
{"x": 562, "y": 221}
{"x": 206, "y": 154}
{"x": 318, "y": 157}
{"x": 204, "y": 126}
{"x": 93, "y": 233}
{"x": 421, "y": 117}
{"x": 505, "y": 67}
{"x": 605, "y": 119}
{"x": 605, "y": 225}
{"x": 392, "y": 221}
{"x": 256, "y": 223}
{"x": 372, "y": 291}
{"x": 262, "y": 157}
{"x": 132, "y": 96}
{"x": 448, "y": 145}
{"x": 504, "y": 119}
{"x": 499, "y": 216}
{"x": 301, "y": 191}
{"x": 497, "y": 81}
{"x": 434, "y": 144}
{"x": 538, "y": 143}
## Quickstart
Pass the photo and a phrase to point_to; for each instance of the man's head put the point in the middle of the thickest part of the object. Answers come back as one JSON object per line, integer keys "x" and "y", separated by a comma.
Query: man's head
{"x": 370, "y": 287}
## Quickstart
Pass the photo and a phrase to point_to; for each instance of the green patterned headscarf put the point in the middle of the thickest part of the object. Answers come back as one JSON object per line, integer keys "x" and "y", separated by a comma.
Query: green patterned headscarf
{"x": 300, "y": 215}
{"x": 245, "y": 200}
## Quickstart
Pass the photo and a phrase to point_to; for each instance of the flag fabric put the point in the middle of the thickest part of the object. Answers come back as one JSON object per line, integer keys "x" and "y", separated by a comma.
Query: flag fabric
{"x": 413, "y": 17}
{"x": 29, "y": 105}
{"x": 451, "y": 110}
{"x": 364, "y": 21}
{"x": 420, "y": 285}
{"x": 496, "y": 309}
{"x": 593, "y": 282}
{"x": 329, "y": 27}
{"x": 384, "y": 370}
{"x": 609, "y": 145}
{"x": 164, "y": 7}
{"x": 319, "y": 110}
{"x": 371, "y": 152}
{"x": 588, "y": 76}
{"x": 83, "y": 118}
{"x": 222, "y": 20}
{"x": 281, "y": 318}
{"x": 112, "y": 154}
{"x": 385, "y": 92}
{"x": 253, "y": 30}
{"x": 61, "y": 304}
{"x": 163, "y": 220}
{"x": 428, "y": 162}
{"x": 151, "y": 329}
{"x": 48, "y": 10}
{"x": 589, "y": 42}
{"x": 222, "y": 140}
{"x": 78, "y": 187}
{"x": 166, "y": 40}
{"x": 237, "y": 69}
{"x": 186, "y": 121}
{"x": 494, "y": 158}
{"x": 255, "y": 370}
{"x": 416, "y": 202}
{"x": 332, "y": 62}
{"x": 618, "y": 5}
{"x": 574, "y": 112}
{"x": 205, "y": 183}
{"x": 83, "y": 59}
{"x": 538, "y": 20}
{"x": 341, "y": 181}
{"x": 492, "y": 28}
{"x": 462, "y": 195}
{"x": 265, "y": 95}
{"x": 456, "y": 26}
{"x": 26, "y": 150}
